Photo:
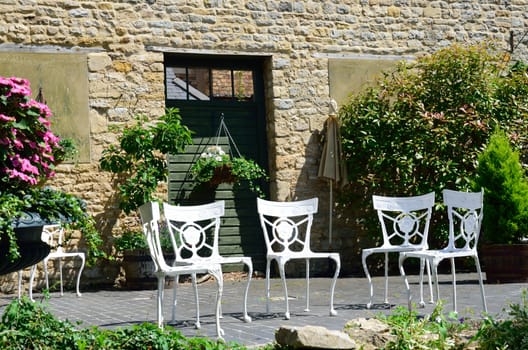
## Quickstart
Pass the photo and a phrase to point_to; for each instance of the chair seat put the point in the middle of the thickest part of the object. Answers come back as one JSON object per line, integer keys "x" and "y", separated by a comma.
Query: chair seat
{"x": 441, "y": 253}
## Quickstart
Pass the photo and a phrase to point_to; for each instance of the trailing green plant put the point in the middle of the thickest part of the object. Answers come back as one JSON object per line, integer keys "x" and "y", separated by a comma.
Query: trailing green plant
{"x": 29, "y": 152}
{"x": 139, "y": 159}
{"x": 422, "y": 125}
{"x": 215, "y": 166}
{"x": 28, "y": 325}
{"x": 435, "y": 331}
{"x": 501, "y": 175}
{"x": 510, "y": 333}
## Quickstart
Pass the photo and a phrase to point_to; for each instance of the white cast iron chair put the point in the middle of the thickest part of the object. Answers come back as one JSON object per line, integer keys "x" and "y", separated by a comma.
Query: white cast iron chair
{"x": 54, "y": 236}
{"x": 464, "y": 211}
{"x": 150, "y": 217}
{"x": 405, "y": 226}
{"x": 287, "y": 229}
{"x": 194, "y": 233}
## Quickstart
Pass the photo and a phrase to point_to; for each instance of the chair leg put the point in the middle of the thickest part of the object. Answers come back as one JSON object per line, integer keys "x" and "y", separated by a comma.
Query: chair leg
{"x": 249, "y": 265}
{"x": 284, "y": 287}
{"x": 174, "y": 298}
{"x": 332, "y": 288}
{"x": 365, "y": 268}
{"x": 197, "y": 325}
{"x": 46, "y": 273}
{"x": 161, "y": 285}
{"x": 453, "y": 277}
{"x": 220, "y": 284}
{"x": 428, "y": 267}
{"x": 434, "y": 268}
{"x": 404, "y": 276}
{"x": 79, "y": 275}
{"x": 422, "y": 263}
{"x": 60, "y": 277}
{"x": 484, "y": 305}
{"x": 268, "y": 267}
{"x": 31, "y": 279}
{"x": 19, "y": 274}
{"x": 386, "y": 300}
{"x": 307, "y": 308}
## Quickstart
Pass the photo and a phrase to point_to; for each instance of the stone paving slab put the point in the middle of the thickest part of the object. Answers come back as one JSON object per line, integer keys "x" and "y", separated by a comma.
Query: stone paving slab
{"x": 120, "y": 308}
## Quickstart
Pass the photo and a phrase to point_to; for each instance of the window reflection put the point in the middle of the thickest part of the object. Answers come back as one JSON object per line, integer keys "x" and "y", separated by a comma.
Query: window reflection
{"x": 204, "y": 84}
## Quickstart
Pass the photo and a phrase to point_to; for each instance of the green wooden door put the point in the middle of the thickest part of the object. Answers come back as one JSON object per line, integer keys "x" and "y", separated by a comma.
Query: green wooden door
{"x": 200, "y": 88}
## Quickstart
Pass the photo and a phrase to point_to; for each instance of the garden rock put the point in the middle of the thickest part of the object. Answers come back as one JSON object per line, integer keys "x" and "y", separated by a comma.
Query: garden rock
{"x": 313, "y": 337}
{"x": 369, "y": 333}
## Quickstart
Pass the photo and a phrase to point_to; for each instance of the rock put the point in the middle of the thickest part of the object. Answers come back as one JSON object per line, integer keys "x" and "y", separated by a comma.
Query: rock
{"x": 368, "y": 332}
{"x": 313, "y": 337}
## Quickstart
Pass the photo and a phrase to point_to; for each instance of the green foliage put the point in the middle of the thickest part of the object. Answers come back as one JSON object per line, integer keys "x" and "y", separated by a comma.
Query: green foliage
{"x": 433, "y": 332}
{"x": 134, "y": 240}
{"x": 421, "y": 127}
{"x": 511, "y": 333}
{"x": 140, "y": 157}
{"x": 215, "y": 167}
{"x": 501, "y": 175}
{"x": 53, "y": 206}
{"x": 67, "y": 151}
{"x": 28, "y": 325}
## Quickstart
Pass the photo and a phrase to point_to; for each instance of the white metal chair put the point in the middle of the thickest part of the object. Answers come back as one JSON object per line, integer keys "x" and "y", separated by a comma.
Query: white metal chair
{"x": 287, "y": 229}
{"x": 150, "y": 217}
{"x": 405, "y": 226}
{"x": 464, "y": 211}
{"x": 54, "y": 236}
{"x": 194, "y": 233}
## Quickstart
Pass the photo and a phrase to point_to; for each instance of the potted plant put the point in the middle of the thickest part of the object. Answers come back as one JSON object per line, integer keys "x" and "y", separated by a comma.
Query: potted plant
{"x": 215, "y": 166}
{"x": 137, "y": 263}
{"x": 505, "y": 222}
{"x": 139, "y": 159}
{"x": 29, "y": 152}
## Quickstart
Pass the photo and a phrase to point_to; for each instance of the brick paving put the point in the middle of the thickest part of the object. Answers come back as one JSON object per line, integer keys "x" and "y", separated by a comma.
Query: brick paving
{"x": 120, "y": 308}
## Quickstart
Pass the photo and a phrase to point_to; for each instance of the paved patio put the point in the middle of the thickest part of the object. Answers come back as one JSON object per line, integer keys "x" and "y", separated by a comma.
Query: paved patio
{"x": 118, "y": 308}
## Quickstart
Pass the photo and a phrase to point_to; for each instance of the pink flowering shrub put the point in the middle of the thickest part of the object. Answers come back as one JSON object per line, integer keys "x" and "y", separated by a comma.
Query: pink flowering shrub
{"x": 27, "y": 145}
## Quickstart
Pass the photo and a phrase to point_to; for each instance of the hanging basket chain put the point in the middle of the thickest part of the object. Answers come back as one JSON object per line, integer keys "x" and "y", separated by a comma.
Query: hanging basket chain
{"x": 223, "y": 127}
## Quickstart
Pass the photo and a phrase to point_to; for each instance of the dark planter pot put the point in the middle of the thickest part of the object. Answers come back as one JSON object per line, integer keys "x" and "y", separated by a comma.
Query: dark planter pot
{"x": 28, "y": 230}
{"x": 505, "y": 263}
{"x": 139, "y": 269}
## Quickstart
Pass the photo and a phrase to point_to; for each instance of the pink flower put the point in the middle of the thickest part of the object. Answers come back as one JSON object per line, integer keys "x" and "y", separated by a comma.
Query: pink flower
{"x": 5, "y": 118}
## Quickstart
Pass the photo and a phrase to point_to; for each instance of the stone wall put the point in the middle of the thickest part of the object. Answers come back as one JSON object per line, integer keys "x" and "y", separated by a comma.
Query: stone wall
{"x": 125, "y": 40}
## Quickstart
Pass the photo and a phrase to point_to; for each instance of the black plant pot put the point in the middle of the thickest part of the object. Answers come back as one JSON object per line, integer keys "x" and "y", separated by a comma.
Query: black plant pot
{"x": 28, "y": 230}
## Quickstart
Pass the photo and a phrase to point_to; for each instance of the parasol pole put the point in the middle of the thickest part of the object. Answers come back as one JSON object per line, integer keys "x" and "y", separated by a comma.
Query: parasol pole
{"x": 331, "y": 213}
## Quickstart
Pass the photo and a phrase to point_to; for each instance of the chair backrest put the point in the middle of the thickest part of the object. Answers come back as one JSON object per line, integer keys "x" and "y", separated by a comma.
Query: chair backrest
{"x": 194, "y": 230}
{"x": 150, "y": 217}
{"x": 287, "y": 225}
{"x": 465, "y": 212}
{"x": 405, "y": 220}
{"x": 53, "y": 235}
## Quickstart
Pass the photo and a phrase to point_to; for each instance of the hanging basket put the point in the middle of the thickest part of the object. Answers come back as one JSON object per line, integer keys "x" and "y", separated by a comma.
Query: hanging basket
{"x": 222, "y": 174}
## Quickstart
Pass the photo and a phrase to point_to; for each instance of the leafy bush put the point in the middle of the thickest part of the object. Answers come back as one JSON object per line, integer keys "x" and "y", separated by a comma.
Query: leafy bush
{"x": 511, "y": 333}
{"x": 501, "y": 175}
{"x": 27, "y": 325}
{"x": 421, "y": 127}
{"x": 140, "y": 157}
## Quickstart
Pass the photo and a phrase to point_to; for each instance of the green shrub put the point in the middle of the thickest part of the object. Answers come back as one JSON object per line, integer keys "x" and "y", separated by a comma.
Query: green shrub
{"x": 501, "y": 175}
{"x": 27, "y": 325}
{"x": 139, "y": 159}
{"x": 421, "y": 127}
